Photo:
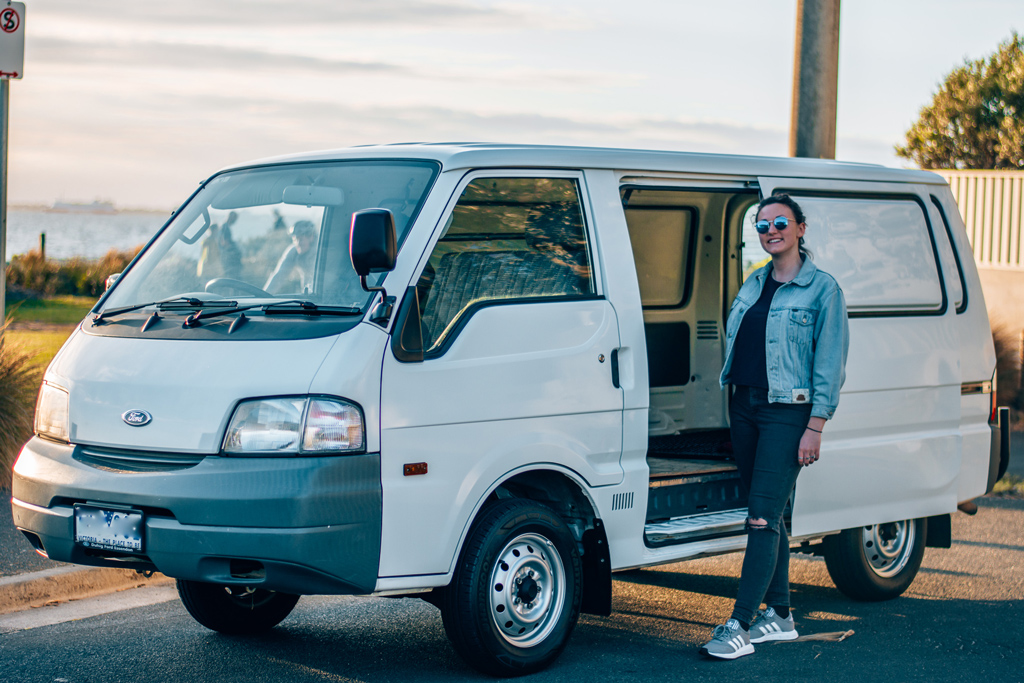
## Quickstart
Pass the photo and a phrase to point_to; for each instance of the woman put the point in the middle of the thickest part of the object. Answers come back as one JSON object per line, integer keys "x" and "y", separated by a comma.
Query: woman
{"x": 786, "y": 343}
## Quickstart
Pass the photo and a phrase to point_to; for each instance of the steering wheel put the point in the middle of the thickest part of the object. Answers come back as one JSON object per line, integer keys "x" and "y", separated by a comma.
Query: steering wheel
{"x": 225, "y": 285}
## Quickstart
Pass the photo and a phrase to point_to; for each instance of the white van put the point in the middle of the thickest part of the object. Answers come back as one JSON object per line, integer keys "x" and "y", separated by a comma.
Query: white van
{"x": 487, "y": 375}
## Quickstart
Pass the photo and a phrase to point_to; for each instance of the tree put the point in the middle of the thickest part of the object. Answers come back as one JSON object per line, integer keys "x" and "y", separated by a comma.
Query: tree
{"x": 976, "y": 119}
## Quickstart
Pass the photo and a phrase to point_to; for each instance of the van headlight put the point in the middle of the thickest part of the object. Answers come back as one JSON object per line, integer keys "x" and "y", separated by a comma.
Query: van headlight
{"x": 295, "y": 425}
{"x": 52, "y": 413}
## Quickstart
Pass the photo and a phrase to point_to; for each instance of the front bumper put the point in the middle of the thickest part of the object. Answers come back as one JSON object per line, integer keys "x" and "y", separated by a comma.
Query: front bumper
{"x": 296, "y": 525}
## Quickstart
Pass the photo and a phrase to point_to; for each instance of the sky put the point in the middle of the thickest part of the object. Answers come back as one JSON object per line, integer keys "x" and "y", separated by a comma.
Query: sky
{"x": 137, "y": 101}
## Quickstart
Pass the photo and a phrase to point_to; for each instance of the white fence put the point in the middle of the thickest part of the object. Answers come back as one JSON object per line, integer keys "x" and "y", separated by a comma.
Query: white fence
{"x": 990, "y": 204}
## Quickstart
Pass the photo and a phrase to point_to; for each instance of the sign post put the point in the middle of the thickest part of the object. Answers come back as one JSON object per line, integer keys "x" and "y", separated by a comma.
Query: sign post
{"x": 12, "y": 65}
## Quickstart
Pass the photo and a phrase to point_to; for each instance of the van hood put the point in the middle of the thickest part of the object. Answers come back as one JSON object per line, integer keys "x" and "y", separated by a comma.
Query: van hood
{"x": 190, "y": 388}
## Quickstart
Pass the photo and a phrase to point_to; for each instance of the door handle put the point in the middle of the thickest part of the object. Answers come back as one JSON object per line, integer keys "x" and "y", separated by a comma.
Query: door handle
{"x": 615, "y": 368}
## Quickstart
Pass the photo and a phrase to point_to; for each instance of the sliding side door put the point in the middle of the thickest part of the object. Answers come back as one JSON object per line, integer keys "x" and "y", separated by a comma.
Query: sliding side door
{"x": 892, "y": 451}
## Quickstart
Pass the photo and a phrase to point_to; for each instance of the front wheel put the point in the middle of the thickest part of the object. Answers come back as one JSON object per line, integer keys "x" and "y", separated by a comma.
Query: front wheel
{"x": 515, "y": 596}
{"x": 878, "y": 562}
{"x": 236, "y": 610}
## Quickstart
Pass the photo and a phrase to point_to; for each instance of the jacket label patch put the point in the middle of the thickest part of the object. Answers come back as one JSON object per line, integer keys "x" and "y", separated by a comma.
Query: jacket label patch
{"x": 801, "y": 395}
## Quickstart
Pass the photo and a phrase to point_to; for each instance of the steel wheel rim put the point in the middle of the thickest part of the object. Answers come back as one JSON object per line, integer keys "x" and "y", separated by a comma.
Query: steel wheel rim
{"x": 527, "y": 590}
{"x": 888, "y": 547}
{"x": 247, "y": 596}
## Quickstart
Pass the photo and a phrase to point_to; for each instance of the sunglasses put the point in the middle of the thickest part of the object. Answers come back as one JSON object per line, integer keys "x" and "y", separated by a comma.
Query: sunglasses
{"x": 763, "y": 226}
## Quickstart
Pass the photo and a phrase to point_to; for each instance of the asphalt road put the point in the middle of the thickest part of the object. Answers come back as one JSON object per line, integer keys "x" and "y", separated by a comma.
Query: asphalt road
{"x": 960, "y": 621}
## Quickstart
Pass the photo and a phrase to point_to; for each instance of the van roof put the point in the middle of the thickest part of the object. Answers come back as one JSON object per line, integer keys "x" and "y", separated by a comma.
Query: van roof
{"x": 465, "y": 155}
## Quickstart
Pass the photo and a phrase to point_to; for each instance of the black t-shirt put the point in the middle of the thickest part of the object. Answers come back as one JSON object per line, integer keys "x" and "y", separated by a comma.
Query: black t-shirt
{"x": 749, "y": 360}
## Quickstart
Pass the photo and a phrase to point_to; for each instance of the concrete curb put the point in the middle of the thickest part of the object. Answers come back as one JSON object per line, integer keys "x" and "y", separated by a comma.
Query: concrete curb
{"x": 35, "y": 589}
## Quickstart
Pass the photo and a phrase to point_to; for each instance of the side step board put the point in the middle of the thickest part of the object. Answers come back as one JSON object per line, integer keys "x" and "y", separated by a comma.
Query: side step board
{"x": 682, "y": 529}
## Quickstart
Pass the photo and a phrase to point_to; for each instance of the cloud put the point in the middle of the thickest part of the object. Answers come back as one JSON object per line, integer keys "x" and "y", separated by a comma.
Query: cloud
{"x": 151, "y": 148}
{"x": 148, "y": 149}
{"x": 192, "y": 56}
{"x": 273, "y": 13}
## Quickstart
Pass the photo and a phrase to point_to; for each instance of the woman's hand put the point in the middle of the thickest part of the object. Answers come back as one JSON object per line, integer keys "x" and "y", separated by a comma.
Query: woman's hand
{"x": 810, "y": 446}
{"x": 810, "y": 442}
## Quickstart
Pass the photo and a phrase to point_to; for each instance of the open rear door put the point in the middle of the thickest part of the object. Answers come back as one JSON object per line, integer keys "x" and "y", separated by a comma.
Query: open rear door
{"x": 892, "y": 452}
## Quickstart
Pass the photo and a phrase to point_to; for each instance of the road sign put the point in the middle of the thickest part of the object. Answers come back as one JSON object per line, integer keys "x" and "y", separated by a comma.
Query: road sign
{"x": 12, "y": 40}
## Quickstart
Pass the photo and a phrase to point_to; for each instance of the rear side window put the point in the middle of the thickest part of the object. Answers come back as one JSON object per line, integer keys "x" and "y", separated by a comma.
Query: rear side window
{"x": 879, "y": 249}
{"x": 507, "y": 240}
{"x": 959, "y": 288}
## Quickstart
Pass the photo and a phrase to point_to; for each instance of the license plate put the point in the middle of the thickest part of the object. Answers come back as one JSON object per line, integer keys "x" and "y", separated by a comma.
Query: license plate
{"x": 108, "y": 528}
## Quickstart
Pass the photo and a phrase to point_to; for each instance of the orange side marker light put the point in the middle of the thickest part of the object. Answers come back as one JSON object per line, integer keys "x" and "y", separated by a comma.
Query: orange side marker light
{"x": 412, "y": 468}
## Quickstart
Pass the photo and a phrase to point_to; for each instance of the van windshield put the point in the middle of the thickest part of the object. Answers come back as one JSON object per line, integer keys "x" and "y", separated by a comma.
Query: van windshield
{"x": 273, "y": 233}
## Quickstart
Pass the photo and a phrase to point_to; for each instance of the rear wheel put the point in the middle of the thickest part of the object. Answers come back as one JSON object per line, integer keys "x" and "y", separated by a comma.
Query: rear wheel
{"x": 515, "y": 596}
{"x": 238, "y": 610}
{"x": 877, "y": 562}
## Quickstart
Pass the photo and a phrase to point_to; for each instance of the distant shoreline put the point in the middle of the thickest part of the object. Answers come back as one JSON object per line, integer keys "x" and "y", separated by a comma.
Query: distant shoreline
{"x": 88, "y": 234}
{"x": 85, "y": 209}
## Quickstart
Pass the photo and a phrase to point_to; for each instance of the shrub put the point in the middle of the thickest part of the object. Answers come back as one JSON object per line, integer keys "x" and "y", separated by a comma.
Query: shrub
{"x": 75, "y": 276}
{"x": 1009, "y": 391}
{"x": 974, "y": 119}
{"x": 1010, "y": 485}
{"x": 20, "y": 376}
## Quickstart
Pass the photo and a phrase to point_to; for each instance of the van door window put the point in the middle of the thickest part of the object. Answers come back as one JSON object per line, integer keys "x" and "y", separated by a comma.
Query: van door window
{"x": 507, "y": 240}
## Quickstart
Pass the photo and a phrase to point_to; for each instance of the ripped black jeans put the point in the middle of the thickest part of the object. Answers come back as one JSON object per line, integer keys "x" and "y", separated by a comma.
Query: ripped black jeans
{"x": 765, "y": 439}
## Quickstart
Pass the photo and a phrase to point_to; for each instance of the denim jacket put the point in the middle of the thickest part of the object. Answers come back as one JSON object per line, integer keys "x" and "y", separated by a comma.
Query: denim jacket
{"x": 806, "y": 338}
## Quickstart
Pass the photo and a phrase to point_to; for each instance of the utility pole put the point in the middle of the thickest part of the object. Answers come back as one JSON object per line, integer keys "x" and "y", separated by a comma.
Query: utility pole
{"x": 812, "y": 128}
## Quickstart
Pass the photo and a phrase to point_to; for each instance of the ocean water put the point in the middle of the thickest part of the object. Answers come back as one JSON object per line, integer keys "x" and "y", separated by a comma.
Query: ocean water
{"x": 90, "y": 235}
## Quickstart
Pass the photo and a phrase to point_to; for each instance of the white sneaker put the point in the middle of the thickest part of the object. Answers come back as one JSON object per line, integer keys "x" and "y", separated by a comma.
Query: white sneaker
{"x": 768, "y": 626}
{"x": 728, "y": 641}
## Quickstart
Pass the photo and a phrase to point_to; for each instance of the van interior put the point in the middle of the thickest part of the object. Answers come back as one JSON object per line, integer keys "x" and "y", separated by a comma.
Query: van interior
{"x": 689, "y": 253}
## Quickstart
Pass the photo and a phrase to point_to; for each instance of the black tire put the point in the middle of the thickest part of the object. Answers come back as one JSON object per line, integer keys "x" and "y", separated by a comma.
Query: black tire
{"x": 236, "y": 610}
{"x": 515, "y": 596}
{"x": 879, "y": 562}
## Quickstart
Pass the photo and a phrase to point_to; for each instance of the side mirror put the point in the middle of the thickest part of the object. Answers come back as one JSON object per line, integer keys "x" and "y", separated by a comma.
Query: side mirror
{"x": 111, "y": 279}
{"x": 371, "y": 243}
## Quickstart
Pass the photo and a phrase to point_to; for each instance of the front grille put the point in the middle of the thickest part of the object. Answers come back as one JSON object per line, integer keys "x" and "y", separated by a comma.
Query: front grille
{"x": 133, "y": 462}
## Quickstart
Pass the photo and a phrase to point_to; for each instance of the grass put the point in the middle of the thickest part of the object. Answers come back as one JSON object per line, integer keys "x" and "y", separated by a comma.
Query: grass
{"x": 41, "y": 326}
{"x": 58, "y": 310}
{"x": 41, "y": 346}
{"x": 1011, "y": 485}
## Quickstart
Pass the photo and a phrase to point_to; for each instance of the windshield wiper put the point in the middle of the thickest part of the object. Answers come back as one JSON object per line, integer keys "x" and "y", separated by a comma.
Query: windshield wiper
{"x": 309, "y": 308}
{"x": 100, "y": 317}
{"x": 280, "y": 307}
{"x": 191, "y": 303}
